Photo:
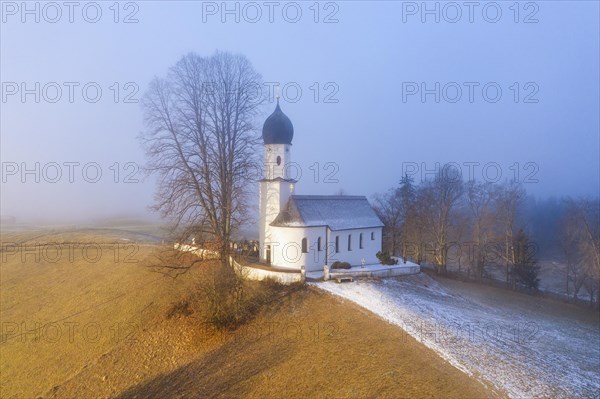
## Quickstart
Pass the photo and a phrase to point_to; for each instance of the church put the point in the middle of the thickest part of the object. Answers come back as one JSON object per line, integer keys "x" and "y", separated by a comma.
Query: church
{"x": 309, "y": 231}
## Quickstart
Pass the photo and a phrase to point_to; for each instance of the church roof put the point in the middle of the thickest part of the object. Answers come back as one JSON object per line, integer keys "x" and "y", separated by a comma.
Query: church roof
{"x": 278, "y": 128}
{"x": 338, "y": 212}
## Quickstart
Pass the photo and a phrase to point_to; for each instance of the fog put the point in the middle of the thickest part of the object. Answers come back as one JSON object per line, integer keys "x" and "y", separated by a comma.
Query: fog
{"x": 374, "y": 90}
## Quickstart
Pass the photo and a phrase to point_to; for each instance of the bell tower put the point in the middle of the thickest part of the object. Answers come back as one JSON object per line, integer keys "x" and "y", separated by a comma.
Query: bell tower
{"x": 275, "y": 186}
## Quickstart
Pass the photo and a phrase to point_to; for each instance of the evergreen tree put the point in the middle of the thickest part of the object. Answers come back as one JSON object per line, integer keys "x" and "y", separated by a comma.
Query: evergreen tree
{"x": 407, "y": 195}
{"x": 526, "y": 269}
{"x": 407, "y": 191}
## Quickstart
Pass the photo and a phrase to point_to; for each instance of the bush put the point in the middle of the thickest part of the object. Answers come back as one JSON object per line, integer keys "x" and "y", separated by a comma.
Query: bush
{"x": 386, "y": 259}
{"x": 229, "y": 301}
{"x": 340, "y": 265}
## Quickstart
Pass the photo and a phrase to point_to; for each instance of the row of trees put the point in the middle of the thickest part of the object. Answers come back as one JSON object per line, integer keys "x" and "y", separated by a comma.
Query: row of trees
{"x": 474, "y": 225}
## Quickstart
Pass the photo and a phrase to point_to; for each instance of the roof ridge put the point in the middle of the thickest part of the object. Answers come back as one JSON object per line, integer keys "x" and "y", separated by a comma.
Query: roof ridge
{"x": 354, "y": 197}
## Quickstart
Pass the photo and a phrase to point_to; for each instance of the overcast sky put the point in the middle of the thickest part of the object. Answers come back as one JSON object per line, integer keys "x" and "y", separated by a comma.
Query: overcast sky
{"x": 361, "y": 68}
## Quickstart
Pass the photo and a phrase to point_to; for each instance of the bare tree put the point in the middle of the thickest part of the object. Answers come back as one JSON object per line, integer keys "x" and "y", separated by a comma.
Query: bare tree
{"x": 440, "y": 196}
{"x": 200, "y": 142}
{"x": 458, "y": 235}
{"x": 479, "y": 198}
{"x": 389, "y": 209}
{"x": 397, "y": 209}
{"x": 569, "y": 245}
{"x": 508, "y": 199}
{"x": 416, "y": 234}
{"x": 581, "y": 245}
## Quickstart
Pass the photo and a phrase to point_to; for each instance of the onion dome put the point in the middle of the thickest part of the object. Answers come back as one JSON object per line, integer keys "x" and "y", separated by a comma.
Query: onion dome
{"x": 278, "y": 128}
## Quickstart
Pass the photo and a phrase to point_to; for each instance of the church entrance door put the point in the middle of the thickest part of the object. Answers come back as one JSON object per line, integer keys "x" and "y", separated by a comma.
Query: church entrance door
{"x": 268, "y": 257}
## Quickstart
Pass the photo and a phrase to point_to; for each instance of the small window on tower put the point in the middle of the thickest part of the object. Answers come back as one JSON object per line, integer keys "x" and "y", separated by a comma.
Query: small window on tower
{"x": 278, "y": 160}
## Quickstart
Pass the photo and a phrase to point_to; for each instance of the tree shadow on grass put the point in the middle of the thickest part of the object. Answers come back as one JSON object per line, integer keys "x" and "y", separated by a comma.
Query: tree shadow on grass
{"x": 218, "y": 373}
{"x": 221, "y": 372}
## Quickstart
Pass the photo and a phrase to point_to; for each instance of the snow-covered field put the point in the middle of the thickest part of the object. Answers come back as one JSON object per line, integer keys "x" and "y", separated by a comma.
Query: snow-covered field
{"x": 518, "y": 352}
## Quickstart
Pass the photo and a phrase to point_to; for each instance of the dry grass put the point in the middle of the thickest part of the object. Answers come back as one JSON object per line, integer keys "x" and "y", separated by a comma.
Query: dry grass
{"x": 154, "y": 342}
{"x": 58, "y": 317}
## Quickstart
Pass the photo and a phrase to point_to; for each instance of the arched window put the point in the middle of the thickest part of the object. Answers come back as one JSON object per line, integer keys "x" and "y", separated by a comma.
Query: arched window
{"x": 349, "y": 242}
{"x": 360, "y": 242}
{"x": 278, "y": 160}
{"x": 319, "y": 247}
{"x": 304, "y": 245}
{"x": 372, "y": 235}
{"x": 337, "y": 243}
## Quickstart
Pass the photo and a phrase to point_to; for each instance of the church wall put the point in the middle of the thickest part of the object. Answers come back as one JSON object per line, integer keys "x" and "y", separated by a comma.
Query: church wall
{"x": 356, "y": 254}
{"x": 287, "y": 247}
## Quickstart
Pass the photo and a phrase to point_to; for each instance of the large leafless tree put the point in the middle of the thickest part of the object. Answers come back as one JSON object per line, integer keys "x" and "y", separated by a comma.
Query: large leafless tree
{"x": 200, "y": 142}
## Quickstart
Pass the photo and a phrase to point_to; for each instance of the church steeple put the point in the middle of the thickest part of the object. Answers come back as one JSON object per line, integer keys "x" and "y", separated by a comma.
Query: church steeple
{"x": 276, "y": 186}
{"x": 278, "y": 132}
{"x": 278, "y": 128}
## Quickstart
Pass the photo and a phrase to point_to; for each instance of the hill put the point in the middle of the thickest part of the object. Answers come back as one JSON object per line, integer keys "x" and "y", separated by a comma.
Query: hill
{"x": 75, "y": 328}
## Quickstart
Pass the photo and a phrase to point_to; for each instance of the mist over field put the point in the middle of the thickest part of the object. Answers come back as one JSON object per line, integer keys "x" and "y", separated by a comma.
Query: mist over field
{"x": 372, "y": 90}
{"x": 300, "y": 199}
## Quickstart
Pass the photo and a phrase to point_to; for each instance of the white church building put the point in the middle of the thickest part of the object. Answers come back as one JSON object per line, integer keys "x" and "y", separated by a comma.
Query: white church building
{"x": 309, "y": 230}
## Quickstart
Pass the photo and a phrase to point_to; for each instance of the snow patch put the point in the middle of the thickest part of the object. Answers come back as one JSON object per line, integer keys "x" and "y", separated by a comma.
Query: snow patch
{"x": 521, "y": 354}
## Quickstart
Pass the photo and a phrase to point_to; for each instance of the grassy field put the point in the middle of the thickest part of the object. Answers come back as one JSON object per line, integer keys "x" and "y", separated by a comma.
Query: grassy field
{"x": 66, "y": 299}
{"x": 92, "y": 323}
